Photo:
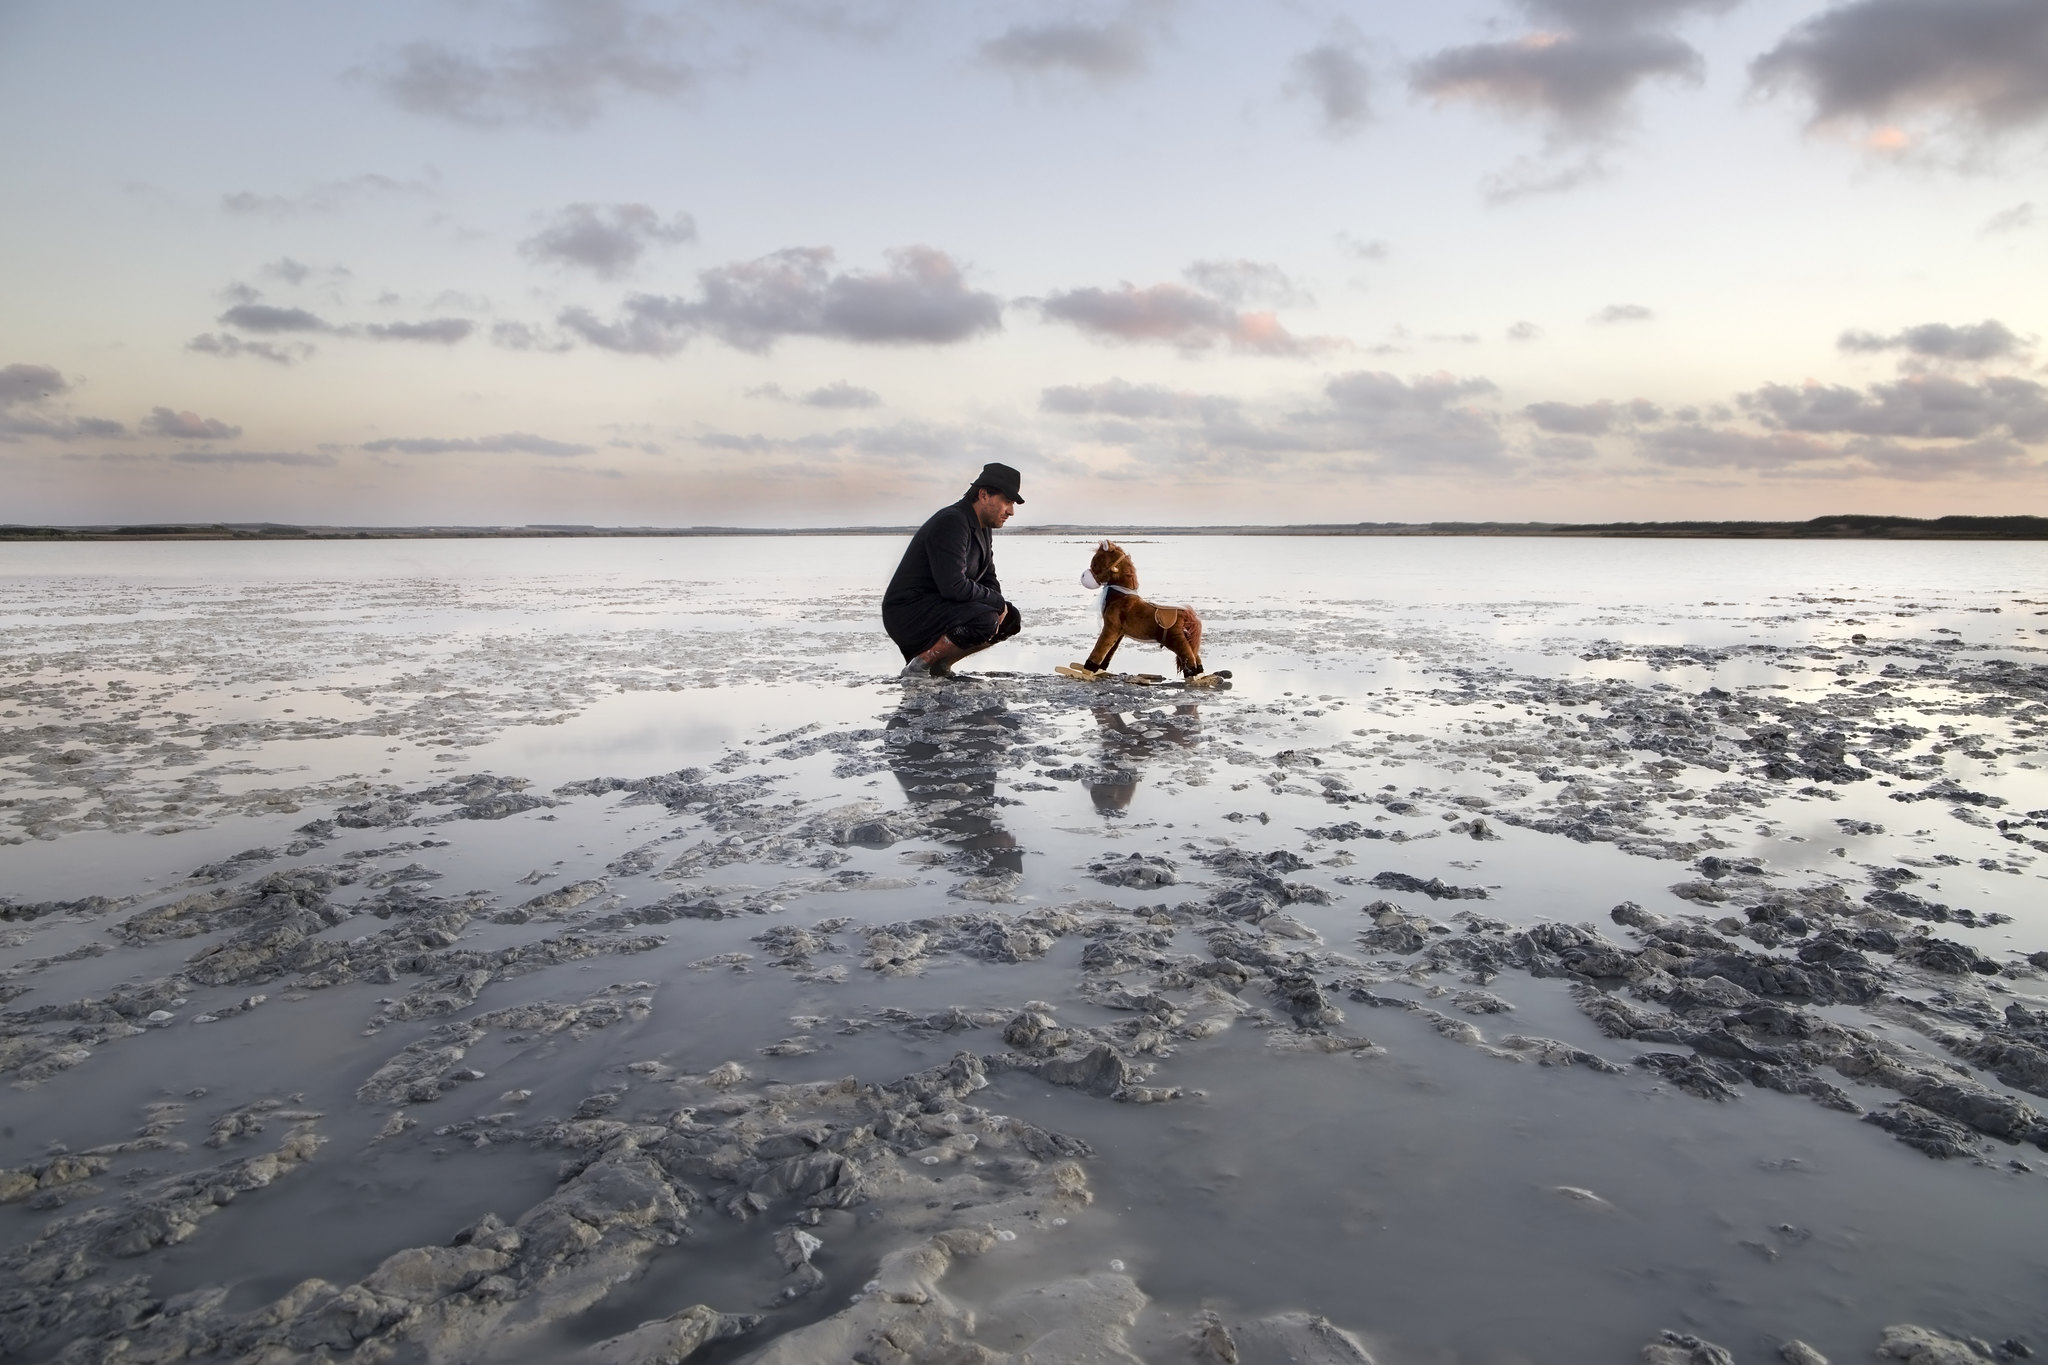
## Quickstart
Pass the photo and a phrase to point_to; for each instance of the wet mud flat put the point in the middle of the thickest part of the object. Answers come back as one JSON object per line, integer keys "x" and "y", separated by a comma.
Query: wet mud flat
{"x": 599, "y": 957}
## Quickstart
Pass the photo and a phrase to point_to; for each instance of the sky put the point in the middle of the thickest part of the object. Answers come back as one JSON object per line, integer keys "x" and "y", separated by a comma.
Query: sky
{"x": 811, "y": 263}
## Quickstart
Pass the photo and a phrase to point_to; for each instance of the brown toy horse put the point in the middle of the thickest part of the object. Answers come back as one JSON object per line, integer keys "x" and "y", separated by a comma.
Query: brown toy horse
{"x": 1127, "y": 616}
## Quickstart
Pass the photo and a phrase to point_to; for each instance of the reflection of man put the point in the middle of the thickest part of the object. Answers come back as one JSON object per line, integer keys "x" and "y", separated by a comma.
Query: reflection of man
{"x": 945, "y": 601}
{"x": 949, "y": 749}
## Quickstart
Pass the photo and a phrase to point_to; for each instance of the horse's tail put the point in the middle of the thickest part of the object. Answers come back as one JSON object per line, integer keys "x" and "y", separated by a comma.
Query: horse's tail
{"x": 1193, "y": 625}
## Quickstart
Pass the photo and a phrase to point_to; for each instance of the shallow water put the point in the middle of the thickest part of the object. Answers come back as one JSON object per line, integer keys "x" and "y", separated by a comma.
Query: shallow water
{"x": 1604, "y": 708}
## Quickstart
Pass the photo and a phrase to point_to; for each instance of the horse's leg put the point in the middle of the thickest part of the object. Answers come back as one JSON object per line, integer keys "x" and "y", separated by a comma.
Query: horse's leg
{"x": 1105, "y": 647}
{"x": 1176, "y": 639}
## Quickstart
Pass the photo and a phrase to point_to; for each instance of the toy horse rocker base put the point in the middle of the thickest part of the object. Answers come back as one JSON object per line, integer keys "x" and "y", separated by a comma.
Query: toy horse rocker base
{"x": 1127, "y": 616}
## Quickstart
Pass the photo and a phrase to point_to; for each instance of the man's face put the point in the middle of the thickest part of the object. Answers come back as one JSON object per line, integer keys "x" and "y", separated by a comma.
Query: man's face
{"x": 993, "y": 509}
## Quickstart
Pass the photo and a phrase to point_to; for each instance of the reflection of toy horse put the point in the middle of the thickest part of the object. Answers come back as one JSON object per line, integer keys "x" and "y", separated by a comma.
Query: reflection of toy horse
{"x": 1125, "y": 615}
{"x": 1127, "y": 748}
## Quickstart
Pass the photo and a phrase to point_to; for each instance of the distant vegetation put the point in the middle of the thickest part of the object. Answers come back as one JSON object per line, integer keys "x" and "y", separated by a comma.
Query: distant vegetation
{"x": 1841, "y": 526}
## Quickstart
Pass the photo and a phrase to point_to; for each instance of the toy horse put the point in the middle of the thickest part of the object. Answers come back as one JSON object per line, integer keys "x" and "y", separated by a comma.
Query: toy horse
{"x": 1125, "y": 615}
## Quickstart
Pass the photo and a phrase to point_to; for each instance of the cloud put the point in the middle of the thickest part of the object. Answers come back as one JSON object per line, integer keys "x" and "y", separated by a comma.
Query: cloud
{"x": 1101, "y": 52}
{"x": 268, "y": 318}
{"x": 1577, "y": 72}
{"x": 505, "y": 443}
{"x": 1581, "y": 82}
{"x": 2018, "y": 218}
{"x": 866, "y": 21}
{"x": 1377, "y": 422}
{"x": 1698, "y": 447}
{"x": 1175, "y": 315}
{"x": 329, "y": 197}
{"x": 1980, "y": 63}
{"x": 591, "y": 52}
{"x": 24, "y": 391}
{"x": 650, "y": 324}
{"x": 1141, "y": 402}
{"x": 1239, "y": 282}
{"x": 287, "y": 271}
{"x": 1623, "y": 312}
{"x": 1590, "y": 419}
{"x": 1991, "y": 456}
{"x": 1594, "y": 16}
{"x": 229, "y": 346}
{"x": 1571, "y": 418}
{"x": 840, "y": 394}
{"x": 906, "y": 446}
{"x": 519, "y": 336}
{"x": 606, "y": 239}
{"x": 1524, "y": 331}
{"x": 290, "y": 458}
{"x": 247, "y": 203}
{"x": 1796, "y": 454}
{"x": 922, "y": 298}
{"x": 442, "y": 331}
{"x": 290, "y": 271}
{"x": 14, "y": 425}
{"x": 1530, "y": 176}
{"x": 1987, "y": 340}
{"x": 456, "y": 298}
{"x": 1361, "y": 424}
{"x": 189, "y": 426}
{"x": 1374, "y": 250}
{"x": 21, "y": 383}
{"x": 1378, "y": 391}
{"x": 1568, "y": 449}
{"x": 1332, "y": 76}
{"x": 1926, "y": 406}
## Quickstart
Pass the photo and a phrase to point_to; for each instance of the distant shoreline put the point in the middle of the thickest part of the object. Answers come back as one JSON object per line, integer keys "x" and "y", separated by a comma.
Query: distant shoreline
{"x": 1837, "y": 527}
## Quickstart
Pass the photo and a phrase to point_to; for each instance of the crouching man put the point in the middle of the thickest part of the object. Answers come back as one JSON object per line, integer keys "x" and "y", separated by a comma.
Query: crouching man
{"x": 945, "y": 601}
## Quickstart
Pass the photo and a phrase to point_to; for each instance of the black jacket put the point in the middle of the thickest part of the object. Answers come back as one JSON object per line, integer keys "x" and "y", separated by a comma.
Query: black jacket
{"x": 947, "y": 578}
{"x": 952, "y": 557}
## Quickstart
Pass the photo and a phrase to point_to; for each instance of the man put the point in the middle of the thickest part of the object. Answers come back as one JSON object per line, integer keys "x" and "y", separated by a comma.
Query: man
{"x": 945, "y": 601}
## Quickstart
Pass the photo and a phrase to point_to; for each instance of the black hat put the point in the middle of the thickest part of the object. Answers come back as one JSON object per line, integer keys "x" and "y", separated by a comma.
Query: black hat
{"x": 1000, "y": 478}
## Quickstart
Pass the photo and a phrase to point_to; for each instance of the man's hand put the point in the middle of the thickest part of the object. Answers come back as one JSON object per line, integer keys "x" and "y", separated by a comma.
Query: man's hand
{"x": 1002, "y": 616}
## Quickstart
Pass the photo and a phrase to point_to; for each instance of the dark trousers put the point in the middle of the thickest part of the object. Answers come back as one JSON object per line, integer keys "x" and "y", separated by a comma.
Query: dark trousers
{"x": 917, "y": 626}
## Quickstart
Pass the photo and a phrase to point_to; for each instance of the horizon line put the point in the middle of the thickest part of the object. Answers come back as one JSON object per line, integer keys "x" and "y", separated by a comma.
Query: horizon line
{"x": 1844, "y": 525}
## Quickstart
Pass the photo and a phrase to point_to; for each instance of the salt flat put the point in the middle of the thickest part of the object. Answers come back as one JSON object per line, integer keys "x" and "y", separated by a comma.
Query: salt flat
{"x": 462, "y": 950}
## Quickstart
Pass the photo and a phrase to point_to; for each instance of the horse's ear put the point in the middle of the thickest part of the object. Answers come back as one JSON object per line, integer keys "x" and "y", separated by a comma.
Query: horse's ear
{"x": 1104, "y": 545}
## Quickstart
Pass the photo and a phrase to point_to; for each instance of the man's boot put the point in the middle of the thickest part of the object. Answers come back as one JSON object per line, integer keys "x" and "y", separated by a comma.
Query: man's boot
{"x": 936, "y": 662}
